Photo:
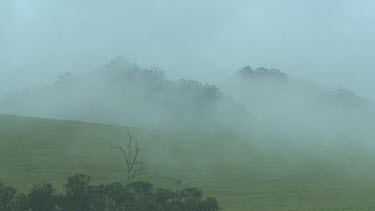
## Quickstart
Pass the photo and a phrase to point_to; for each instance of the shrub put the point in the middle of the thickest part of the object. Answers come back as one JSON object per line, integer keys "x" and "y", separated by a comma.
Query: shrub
{"x": 116, "y": 196}
{"x": 19, "y": 203}
{"x": 80, "y": 195}
{"x": 42, "y": 198}
{"x": 6, "y": 195}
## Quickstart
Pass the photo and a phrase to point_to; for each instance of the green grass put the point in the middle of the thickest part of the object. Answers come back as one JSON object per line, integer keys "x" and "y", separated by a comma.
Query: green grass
{"x": 243, "y": 173}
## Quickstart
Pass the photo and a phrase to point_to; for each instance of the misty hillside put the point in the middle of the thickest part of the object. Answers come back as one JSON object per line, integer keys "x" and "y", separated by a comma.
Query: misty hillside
{"x": 272, "y": 83}
{"x": 262, "y": 105}
{"x": 242, "y": 172}
{"x": 122, "y": 93}
{"x": 252, "y": 101}
{"x": 288, "y": 105}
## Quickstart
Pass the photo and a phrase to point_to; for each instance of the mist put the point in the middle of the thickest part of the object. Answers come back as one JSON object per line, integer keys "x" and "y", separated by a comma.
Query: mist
{"x": 263, "y": 104}
{"x": 327, "y": 42}
{"x": 323, "y": 48}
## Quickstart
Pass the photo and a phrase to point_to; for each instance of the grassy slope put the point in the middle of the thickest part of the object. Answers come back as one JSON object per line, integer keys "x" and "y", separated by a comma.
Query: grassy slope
{"x": 244, "y": 174}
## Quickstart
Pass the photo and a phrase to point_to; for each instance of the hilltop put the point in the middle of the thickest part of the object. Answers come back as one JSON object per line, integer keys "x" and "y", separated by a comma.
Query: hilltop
{"x": 123, "y": 93}
{"x": 251, "y": 102}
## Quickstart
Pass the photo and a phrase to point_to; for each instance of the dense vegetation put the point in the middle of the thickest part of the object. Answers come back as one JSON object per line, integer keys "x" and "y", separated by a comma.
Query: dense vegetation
{"x": 80, "y": 195}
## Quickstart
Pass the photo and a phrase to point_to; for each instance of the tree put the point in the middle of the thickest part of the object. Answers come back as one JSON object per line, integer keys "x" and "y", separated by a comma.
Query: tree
{"x": 116, "y": 196}
{"x": 42, "y": 198}
{"x": 134, "y": 168}
{"x": 19, "y": 203}
{"x": 141, "y": 189}
{"x": 80, "y": 195}
{"x": 6, "y": 195}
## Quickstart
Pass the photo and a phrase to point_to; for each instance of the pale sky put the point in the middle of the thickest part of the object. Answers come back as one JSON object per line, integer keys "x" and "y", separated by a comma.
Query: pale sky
{"x": 330, "y": 42}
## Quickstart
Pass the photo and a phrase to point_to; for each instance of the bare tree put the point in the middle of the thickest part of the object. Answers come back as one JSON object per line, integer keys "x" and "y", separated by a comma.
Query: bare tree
{"x": 130, "y": 152}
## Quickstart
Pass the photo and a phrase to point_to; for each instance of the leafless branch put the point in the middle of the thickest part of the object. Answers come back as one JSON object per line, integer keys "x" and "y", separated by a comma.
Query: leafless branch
{"x": 131, "y": 153}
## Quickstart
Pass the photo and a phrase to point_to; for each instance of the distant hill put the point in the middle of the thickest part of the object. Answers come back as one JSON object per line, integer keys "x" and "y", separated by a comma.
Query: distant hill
{"x": 285, "y": 105}
{"x": 274, "y": 82}
{"x": 252, "y": 101}
{"x": 123, "y": 93}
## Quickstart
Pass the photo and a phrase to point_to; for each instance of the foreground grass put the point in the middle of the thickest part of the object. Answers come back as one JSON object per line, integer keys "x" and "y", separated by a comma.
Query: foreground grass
{"x": 242, "y": 173}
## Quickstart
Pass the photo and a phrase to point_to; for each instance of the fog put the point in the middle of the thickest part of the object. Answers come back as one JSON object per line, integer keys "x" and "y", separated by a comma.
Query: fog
{"x": 329, "y": 42}
{"x": 263, "y": 104}
{"x": 323, "y": 48}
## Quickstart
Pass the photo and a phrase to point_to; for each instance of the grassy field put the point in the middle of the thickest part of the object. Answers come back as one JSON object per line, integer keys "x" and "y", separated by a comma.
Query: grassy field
{"x": 243, "y": 173}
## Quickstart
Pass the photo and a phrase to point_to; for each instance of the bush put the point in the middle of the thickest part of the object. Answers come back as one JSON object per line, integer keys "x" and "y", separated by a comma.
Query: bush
{"x": 116, "y": 196}
{"x": 7, "y": 194}
{"x": 19, "y": 202}
{"x": 80, "y": 195}
{"x": 42, "y": 198}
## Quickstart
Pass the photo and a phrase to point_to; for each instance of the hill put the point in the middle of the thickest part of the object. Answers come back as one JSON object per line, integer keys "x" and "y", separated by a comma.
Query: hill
{"x": 126, "y": 94}
{"x": 267, "y": 173}
{"x": 250, "y": 102}
{"x": 289, "y": 106}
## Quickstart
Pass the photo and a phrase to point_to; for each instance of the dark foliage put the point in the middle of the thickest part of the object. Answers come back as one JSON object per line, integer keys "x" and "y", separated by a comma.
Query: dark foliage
{"x": 261, "y": 72}
{"x": 81, "y": 195}
{"x": 19, "y": 202}
{"x": 42, "y": 198}
{"x": 7, "y": 193}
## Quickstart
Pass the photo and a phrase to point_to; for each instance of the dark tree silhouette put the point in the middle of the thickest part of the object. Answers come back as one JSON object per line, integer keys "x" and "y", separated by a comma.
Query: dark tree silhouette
{"x": 134, "y": 168}
{"x": 42, "y": 198}
{"x": 6, "y": 195}
{"x": 80, "y": 195}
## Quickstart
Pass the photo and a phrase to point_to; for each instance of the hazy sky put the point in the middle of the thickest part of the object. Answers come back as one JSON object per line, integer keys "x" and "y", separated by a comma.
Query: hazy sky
{"x": 331, "y": 42}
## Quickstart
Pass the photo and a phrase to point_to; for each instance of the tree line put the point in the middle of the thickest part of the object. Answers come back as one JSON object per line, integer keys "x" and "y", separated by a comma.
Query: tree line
{"x": 80, "y": 195}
